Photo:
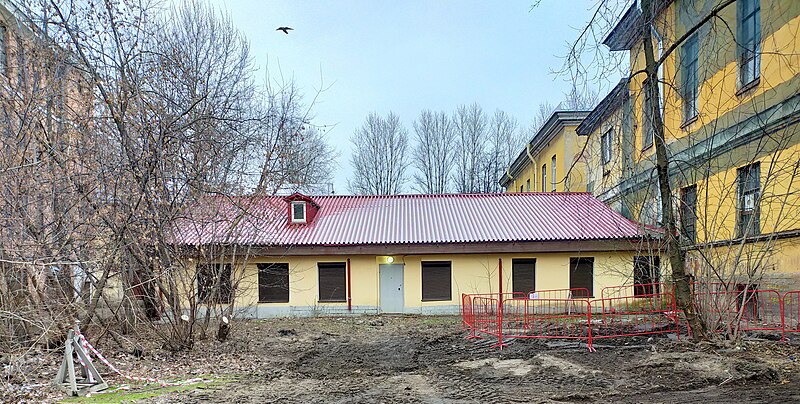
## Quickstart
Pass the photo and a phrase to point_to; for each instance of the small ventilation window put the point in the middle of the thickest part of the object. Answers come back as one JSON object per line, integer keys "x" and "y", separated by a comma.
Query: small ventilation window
{"x": 298, "y": 212}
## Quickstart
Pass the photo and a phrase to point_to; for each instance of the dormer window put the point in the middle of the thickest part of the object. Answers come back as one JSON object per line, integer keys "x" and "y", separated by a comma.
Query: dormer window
{"x": 298, "y": 212}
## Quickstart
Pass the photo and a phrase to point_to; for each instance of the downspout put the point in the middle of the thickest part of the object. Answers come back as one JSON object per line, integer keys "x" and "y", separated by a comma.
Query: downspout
{"x": 528, "y": 149}
{"x": 349, "y": 289}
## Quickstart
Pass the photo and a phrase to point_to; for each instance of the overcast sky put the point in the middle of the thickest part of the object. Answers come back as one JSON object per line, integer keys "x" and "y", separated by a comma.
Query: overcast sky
{"x": 407, "y": 56}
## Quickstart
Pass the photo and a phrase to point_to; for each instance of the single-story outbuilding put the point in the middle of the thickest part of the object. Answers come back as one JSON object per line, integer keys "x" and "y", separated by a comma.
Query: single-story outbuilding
{"x": 306, "y": 255}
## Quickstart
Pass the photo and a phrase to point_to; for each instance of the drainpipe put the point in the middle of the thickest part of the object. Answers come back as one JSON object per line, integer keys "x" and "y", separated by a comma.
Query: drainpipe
{"x": 349, "y": 289}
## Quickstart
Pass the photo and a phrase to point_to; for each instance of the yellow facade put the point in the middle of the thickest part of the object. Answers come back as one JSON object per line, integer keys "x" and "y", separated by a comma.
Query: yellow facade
{"x": 556, "y": 139}
{"x": 470, "y": 273}
{"x": 738, "y": 125}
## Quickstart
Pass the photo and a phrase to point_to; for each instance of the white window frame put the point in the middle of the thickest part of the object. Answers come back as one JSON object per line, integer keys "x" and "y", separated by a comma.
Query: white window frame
{"x": 295, "y": 219}
{"x": 606, "y": 142}
{"x": 553, "y": 179}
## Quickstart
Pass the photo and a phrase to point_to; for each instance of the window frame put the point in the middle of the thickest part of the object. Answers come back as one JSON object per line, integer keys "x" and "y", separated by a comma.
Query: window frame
{"x": 606, "y": 144}
{"x": 748, "y": 43}
{"x": 553, "y": 174}
{"x": 648, "y": 132}
{"x": 574, "y": 265}
{"x": 690, "y": 86}
{"x": 748, "y": 183}
{"x": 271, "y": 268}
{"x": 689, "y": 213}
{"x": 222, "y": 292}
{"x": 516, "y": 264}
{"x": 646, "y": 271}
{"x": 294, "y": 205}
{"x": 426, "y": 269}
{"x": 544, "y": 177}
{"x": 528, "y": 185}
{"x": 333, "y": 296}
{"x": 3, "y": 49}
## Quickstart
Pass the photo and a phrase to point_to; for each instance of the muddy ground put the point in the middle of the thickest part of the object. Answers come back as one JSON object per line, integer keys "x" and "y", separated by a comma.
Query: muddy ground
{"x": 427, "y": 360}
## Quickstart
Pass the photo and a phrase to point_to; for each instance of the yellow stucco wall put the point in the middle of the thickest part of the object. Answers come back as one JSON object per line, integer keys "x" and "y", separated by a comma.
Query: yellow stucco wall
{"x": 470, "y": 273}
{"x": 567, "y": 146}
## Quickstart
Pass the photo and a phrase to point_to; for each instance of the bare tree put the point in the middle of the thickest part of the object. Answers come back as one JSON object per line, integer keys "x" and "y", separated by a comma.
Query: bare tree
{"x": 434, "y": 153}
{"x": 379, "y": 156}
{"x": 501, "y": 147}
{"x": 470, "y": 131}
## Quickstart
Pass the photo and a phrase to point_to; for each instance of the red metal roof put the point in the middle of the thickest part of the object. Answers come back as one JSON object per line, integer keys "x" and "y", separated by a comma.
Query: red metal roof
{"x": 406, "y": 219}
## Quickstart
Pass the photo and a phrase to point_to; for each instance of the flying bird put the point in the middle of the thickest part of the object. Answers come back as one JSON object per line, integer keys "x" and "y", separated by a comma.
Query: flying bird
{"x": 285, "y": 30}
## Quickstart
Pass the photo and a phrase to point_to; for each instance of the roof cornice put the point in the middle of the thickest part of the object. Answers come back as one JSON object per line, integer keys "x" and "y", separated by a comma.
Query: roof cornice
{"x": 556, "y": 123}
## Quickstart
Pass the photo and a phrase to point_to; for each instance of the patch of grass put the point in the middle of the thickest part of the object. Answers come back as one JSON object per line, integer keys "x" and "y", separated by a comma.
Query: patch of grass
{"x": 141, "y": 392}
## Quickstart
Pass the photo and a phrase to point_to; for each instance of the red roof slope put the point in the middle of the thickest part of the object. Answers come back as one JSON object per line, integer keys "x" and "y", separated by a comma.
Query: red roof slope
{"x": 406, "y": 219}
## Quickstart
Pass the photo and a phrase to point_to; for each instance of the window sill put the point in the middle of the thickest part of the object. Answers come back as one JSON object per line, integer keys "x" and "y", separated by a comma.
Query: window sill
{"x": 685, "y": 124}
{"x": 745, "y": 89}
{"x": 449, "y": 299}
{"x": 332, "y": 301}
{"x": 272, "y": 301}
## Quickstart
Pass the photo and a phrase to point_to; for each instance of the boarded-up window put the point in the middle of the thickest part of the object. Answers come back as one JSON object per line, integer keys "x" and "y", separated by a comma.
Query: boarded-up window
{"x": 332, "y": 282}
{"x": 214, "y": 283}
{"x": 523, "y": 275}
{"x": 581, "y": 276}
{"x": 645, "y": 274}
{"x": 436, "y": 280}
{"x": 273, "y": 283}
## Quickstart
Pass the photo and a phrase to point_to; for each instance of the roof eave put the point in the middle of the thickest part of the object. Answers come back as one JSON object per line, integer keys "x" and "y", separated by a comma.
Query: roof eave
{"x": 558, "y": 121}
{"x": 604, "y": 108}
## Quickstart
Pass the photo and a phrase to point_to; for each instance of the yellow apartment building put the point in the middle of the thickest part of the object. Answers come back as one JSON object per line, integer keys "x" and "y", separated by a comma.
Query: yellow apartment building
{"x": 302, "y": 255}
{"x": 730, "y": 101}
{"x": 551, "y": 160}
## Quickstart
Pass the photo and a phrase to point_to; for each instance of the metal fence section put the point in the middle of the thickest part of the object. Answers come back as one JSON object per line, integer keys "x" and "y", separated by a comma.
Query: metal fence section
{"x": 622, "y": 311}
{"x": 791, "y": 312}
{"x": 547, "y": 318}
{"x": 638, "y": 313}
{"x": 733, "y": 310}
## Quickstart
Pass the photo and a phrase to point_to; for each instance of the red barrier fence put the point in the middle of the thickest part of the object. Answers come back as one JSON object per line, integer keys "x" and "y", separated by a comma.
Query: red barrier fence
{"x": 791, "y": 312}
{"x": 622, "y": 311}
{"x": 729, "y": 311}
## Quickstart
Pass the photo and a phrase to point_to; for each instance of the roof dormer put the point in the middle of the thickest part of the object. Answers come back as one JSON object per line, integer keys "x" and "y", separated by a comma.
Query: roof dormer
{"x": 302, "y": 209}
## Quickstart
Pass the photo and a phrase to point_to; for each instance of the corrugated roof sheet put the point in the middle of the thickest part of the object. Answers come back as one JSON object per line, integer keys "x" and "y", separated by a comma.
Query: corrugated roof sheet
{"x": 406, "y": 219}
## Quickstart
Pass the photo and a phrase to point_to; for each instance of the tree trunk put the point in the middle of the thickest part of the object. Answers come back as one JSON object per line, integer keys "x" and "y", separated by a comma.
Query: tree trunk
{"x": 683, "y": 291}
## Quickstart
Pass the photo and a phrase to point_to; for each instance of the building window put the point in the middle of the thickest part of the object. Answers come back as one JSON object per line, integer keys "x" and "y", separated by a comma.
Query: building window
{"x": 523, "y": 275}
{"x": 298, "y": 212}
{"x": 748, "y": 187}
{"x": 436, "y": 283}
{"x": 647, "y": 121}
{"x": 528, "y": 185}
{"x": 581, "y": 276}
{"x": 689, "y": 213}
{"x": 544, "y": 178}
{"x": 553, "y": 174}
{"x": 214, "y": 283}
{"x": 332, "y": 281}
{"x": 533, "y": 180}
{"x": 606, "y": 143}
{"x": 689, "y": 83}
{"x": 3, "y": 49}
{"x": 520, "y": 188}
{"x": 646, "y": 274}
{"x": 749, "y": 41}
{"x": 273, "y": 283}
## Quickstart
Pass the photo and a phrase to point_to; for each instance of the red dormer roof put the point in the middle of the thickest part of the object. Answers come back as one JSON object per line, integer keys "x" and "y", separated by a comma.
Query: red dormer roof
{"x": 406, "y": 219}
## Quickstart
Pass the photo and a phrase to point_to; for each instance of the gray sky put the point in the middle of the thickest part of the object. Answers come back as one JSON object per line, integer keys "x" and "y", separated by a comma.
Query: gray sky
{"x": 411, "y": 55}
